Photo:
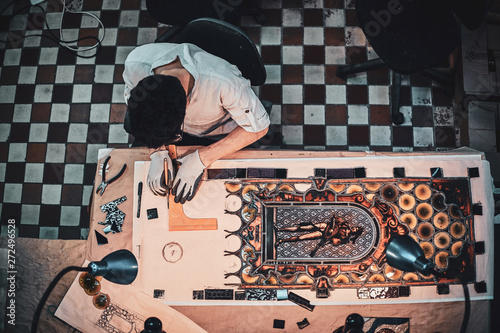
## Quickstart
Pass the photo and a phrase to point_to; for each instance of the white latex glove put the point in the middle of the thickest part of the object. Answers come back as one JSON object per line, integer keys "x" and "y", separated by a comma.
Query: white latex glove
{"x": 188, "y": 177}
{"x": 156, "y": 175}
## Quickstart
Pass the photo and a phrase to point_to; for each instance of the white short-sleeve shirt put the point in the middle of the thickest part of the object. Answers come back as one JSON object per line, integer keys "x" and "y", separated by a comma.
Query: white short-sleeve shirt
{"x": 221, "y": 99}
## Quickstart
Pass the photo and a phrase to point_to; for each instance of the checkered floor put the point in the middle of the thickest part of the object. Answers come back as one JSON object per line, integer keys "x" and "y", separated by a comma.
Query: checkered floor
{"x": 58, "y": 110}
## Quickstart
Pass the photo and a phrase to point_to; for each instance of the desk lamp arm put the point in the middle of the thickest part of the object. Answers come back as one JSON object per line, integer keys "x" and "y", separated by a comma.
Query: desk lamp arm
{"x": 51, "y": 286}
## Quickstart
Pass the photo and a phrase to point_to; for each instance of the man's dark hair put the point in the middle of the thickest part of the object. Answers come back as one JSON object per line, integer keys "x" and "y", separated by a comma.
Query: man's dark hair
{"x": 156, "y": 109}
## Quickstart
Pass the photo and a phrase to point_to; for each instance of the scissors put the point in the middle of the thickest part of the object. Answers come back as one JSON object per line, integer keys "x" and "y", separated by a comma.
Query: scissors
{"x": 102, "y": 187}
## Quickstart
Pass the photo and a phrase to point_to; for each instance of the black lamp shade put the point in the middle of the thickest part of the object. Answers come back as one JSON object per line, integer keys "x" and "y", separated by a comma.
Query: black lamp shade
{"x": 118, "y": 267}
{"x": 404, "y": 253}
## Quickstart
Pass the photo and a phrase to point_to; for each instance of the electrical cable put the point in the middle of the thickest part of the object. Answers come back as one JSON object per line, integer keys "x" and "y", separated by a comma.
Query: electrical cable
{"x": 77, "y": 49}
{"x": 59, "y": 40}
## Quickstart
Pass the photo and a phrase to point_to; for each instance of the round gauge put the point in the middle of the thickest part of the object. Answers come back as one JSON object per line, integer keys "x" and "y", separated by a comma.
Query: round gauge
{"x": 172, "y": 252}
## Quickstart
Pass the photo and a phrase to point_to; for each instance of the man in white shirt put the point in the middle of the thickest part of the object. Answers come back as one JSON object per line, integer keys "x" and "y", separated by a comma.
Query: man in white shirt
{"x": 174, "y": 90}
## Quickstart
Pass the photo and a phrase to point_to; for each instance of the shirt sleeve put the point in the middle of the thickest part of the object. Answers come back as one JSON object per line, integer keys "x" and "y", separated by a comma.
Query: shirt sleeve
{"x": 244, "y": 106}
{"x": 132, "y": 74}
{"x": 128, "y": 84}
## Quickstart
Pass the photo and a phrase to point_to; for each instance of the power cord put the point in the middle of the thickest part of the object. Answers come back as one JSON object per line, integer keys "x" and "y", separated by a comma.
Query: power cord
{"x": 60, "y": 40}
{"x": 77, "y": 49}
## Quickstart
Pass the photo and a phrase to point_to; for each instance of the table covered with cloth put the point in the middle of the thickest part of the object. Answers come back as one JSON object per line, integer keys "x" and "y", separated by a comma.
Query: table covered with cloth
{"x": 254, "y": 229}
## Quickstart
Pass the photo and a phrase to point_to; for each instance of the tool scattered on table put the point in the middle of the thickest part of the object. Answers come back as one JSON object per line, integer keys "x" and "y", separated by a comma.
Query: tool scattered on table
{"x": 102, "y": 186}
{"x": 278, "y": 323}
{"x": 139, "y": 196}
{"x": 101, "y": 239}
{"x": 300, "y": 301}
{"x": 152, "y": 213}
{"x": 302, "y": 324}
{"x": 114, "y": 216}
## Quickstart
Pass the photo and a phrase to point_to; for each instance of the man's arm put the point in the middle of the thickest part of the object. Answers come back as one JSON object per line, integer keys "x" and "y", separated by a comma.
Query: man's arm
{"x": 191, "y": 170}
{"x": 238, "y": 139}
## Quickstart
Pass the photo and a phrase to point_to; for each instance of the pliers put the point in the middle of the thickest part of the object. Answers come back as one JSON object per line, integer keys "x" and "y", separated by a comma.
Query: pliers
{"x": 102, "y": 187}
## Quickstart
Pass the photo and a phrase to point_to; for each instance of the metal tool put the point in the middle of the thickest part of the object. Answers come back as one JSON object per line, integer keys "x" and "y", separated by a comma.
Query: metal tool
{"x": 102, "y": 187}
{"x": 139, "y": 196}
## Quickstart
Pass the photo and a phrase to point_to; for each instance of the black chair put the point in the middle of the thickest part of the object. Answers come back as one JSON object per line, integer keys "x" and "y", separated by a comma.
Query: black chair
{"x": 412, "y": 36}
{"x": 226, "y": 41}
{"x": 178, "y": 13}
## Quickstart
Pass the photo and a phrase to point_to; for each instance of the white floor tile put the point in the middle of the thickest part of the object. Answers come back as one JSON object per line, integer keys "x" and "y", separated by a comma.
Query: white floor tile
{"x": 275, "y": 115}
{"x": 77, "y": 133}
{"x": 12, "y": 57}
{"x": 336, "y": 135}
{"x": 33, "y": 173}
{"x": 314, "y": 74}
{"x": 292, "y": 55}
{"x": 22, "y": 113}
{"x": 336, "y": 94}
{"x": 121, "y": 53}
{"x": 17, "y": 152}
{"x": 313, "y": 36}
{"x": 48, "y": 55}
{"x": 104, "y": 73}
{"x": 55, "y": 153}
{"x": 423, "y": 136}
{"x": 99, "y": 113}
{"x": 30, "y": 214}
{"x": 49, "y": 232}
{"x": 273, "y": 74}
{"x": 117, "y": 134}
{"x": 7, "y": 94}
{"x": 314, "y": 114}
{"x": 270, "y": 36}
{"x": 65, "y": 74}
{"x": 378, "y": 95}
{"x": 59, "y": 113}
{"x": 70, "y": 216}
{"x": 334, "y": 18}
{"x": 43, "y": 93}
{"x": 421, "y": 96}
{"x": 12, "y": 193}
{"x": 357, "y": 114}
{"x": 51, "y": 194}
{"x": 86, "y": 194}
{"x": 129, "y": 18}
{"x": 82, "y": 93}
{"x": 2, "y": 172}
{"x": 38, "y": 132}
{"x": 111, "y": 4}
{"x": 73, "y": 173}
{"x": 118, "y": 93}
{"x": 146, "y": 36}
{"x": 111, "y": 36}
{"x": 359, "y": 148}
{"x": 292, "y": 134}
{"x": 313, "y": 4}
{"x": 27, "y": 75}
{"x": 93, "y": 152}
{"x": 335, "y": 55}
{"x": 4, "y": 132}
{"x": 292, "y": 94}
{"x": 380, "y": 135}
{"x": 292, "y": 17}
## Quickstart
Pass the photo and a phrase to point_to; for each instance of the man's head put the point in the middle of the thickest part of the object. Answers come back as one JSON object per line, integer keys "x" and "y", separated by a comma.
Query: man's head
{"x": 156, "y": 108}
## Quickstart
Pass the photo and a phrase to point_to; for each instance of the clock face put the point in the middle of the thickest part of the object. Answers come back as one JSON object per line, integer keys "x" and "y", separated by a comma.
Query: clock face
{"x": 172, "y": 252}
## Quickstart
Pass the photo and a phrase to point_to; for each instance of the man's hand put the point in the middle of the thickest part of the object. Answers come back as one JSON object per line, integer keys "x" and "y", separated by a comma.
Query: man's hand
{"x": 156, "y": 175}
{"x": 188, "y": 177}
